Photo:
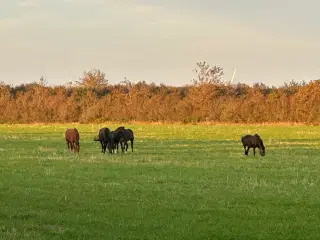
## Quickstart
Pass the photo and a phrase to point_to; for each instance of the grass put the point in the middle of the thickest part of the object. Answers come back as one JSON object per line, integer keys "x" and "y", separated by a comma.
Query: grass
{"x": 181, "y": 182}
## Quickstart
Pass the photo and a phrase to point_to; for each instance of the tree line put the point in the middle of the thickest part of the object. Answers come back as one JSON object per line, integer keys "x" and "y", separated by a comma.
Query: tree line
{"x": 206, "y": 99}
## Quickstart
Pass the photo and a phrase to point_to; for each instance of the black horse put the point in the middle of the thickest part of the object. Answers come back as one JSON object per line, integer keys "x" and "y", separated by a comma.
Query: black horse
{"x": 122, "y": 136}
{"x": 104, "y": 138}
{"x": 254, "y": 142}
{"x": 112, "y": 143}
{"x": 129, "y": 136}
{"x": 116, "y": 137}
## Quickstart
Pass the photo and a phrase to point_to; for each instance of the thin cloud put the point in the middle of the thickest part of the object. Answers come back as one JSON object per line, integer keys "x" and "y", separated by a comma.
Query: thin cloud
{"x": 146, "y": 9}
{"x": 85, "y": 2}
{"x": 28, "y": 3}
{"x": 10, "y": 23}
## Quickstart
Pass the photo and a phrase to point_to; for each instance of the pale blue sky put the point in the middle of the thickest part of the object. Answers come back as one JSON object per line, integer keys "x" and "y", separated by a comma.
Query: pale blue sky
{"x": 270, "y": 41}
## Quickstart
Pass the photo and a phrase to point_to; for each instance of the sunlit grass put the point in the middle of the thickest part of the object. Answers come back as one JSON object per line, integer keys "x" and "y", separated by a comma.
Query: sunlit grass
{"x": 181, "y": 182}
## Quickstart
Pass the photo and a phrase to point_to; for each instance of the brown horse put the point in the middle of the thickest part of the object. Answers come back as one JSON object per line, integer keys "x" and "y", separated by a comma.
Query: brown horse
{"x": 72, "y": 138}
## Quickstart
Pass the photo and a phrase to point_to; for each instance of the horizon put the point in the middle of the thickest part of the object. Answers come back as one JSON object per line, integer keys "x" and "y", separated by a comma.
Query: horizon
{"x": 75, "y": 84}
{"x": 157, "y": 41}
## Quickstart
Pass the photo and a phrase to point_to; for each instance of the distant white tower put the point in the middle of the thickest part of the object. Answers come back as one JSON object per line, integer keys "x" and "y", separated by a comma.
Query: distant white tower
{"x": 234, "y": 73}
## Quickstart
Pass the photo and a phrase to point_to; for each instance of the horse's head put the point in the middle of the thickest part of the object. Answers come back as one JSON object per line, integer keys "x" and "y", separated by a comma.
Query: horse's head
{"x": 76, "y": 147}
{"x": 260, "y": 145}
{"x": 262, "y": 151}
{"x": 262, "y": 148}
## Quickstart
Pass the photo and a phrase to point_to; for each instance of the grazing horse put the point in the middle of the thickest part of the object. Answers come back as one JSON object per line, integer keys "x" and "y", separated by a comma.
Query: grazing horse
{"x": 129, "y": 136}
{"x": 117, "y": 136}
{"x": 72, "y": 138}
{"x": 122, "y": 136}
{"x": 254, "y": 142}
{"x": 104, "y": 139}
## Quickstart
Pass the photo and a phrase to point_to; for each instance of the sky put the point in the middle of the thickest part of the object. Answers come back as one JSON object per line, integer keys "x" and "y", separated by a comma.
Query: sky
{"x": 160, "y": 41}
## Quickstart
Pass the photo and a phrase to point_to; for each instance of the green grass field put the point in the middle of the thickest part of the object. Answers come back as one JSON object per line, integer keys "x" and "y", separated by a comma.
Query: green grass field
{"x": 181, "y": 182}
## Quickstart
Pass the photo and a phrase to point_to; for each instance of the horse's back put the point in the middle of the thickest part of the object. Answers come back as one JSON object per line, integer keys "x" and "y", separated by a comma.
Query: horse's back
{"x": 104, "y": 130}
{"x": 129, "y": 134}
{"x": 104, "y": 134}
{"x": 72, "y": 135}
{"x": 119, "y": 129}
{"x": 246, "y": 139}
{"x": 253, "y": 141}
{"x": 119, "y": 134}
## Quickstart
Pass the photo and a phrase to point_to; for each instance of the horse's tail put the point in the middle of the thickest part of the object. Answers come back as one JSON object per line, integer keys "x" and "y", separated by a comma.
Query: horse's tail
{"x": 96, "y": 138}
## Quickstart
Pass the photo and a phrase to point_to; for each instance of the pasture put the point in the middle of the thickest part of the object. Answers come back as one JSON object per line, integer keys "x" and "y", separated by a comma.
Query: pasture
{"x": 181, "y": 182}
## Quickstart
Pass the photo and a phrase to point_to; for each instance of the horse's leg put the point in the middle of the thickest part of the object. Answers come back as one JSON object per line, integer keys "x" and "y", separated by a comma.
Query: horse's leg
{"x": 101, "y": 146}
{"x": 247, "y": 152}
{"x": 126, "y": 145}
{"x": 113, "y": 147}
{"x": 105, "y": 144}
{"x": 246, "y": 149}
{"x": 254, "y": 151}
{"x": 132, "y": 145}
{"x": 122, "y": 146}
{"x": 71, "y": 146}
{"x": 110, "y": 147}
{"x": 76, "y": 147}
{"x": 118, "y": 146}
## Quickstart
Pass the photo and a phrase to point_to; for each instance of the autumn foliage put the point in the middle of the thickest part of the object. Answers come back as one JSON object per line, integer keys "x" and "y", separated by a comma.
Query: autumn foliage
{"x": 207, "y": 99}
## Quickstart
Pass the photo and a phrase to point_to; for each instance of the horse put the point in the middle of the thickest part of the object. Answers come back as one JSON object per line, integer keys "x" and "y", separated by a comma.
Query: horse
{"x": 72, "y": 138}
{"x": 129, "y": 136}
{"x": 254, "y": 142}
{"x": 122, "y": 136}
{"x": 104, "y": 139}
{"x": 116, "y": 137}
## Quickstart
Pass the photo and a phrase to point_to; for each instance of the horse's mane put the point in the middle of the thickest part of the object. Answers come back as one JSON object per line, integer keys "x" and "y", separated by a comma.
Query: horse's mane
{"x": 119, "y": 129}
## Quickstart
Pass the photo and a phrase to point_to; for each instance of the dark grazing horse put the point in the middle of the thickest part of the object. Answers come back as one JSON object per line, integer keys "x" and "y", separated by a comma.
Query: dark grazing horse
{"x": 117, "y": 136}
{"x": 104, "y": 138}
{"x": 72, "y": 138}
{"x": 122, "y": 136}
{"x": 254, "y": 142}
{"x": 129, "y": 136}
